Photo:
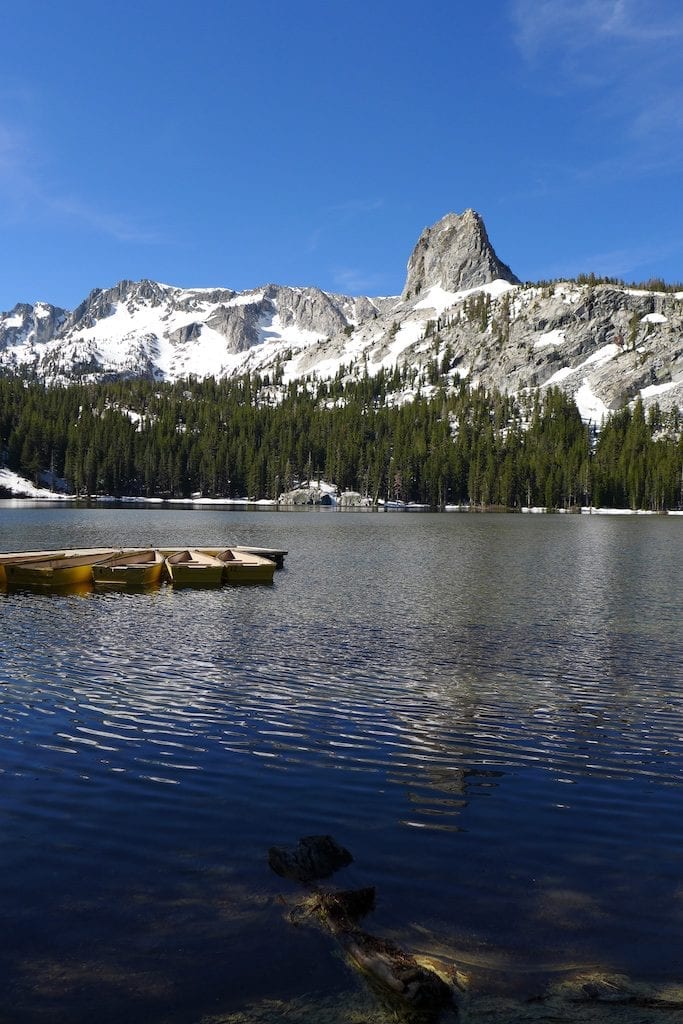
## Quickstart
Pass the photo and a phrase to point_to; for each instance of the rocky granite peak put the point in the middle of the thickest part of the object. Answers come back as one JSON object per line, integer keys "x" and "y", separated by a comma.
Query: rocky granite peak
{"x": 454, "y": 254}
{"x": 462, "y": 310}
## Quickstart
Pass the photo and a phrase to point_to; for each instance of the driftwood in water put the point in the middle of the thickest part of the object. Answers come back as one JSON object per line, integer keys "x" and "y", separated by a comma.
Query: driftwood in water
{"x": 412, "y": 991}
{"x": 314, "y": 857}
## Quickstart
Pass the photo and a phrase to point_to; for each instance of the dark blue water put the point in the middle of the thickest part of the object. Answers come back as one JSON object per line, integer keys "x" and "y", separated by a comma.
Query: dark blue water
{"x": 485, "y": 709}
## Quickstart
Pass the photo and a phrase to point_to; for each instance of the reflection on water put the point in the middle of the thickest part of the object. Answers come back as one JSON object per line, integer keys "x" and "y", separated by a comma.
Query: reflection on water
{"x": 485, "y": 710}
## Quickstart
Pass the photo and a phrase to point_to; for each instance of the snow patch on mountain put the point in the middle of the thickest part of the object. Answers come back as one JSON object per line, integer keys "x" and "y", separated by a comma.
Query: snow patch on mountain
{"x": 656, "y": 390}
{"x": 617, "y": 342}
{"x": 597, "y": 359}
{"x": 555, "y": 337}
{"x": 439, "y": 299}
{"x": 12, "y": 321}
{"x": 246, "y": 299}
{"x": 560, "y": 375}
{"x": 271, "y": 329}
{"x": 591, "y": 408}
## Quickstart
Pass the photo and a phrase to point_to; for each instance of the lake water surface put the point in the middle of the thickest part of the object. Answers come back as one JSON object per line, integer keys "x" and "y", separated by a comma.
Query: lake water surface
{"x": 486, "y": 710}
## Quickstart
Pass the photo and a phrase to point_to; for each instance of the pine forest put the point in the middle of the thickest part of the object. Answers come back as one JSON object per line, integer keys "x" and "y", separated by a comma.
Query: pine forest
{"x": 387, "y": 437}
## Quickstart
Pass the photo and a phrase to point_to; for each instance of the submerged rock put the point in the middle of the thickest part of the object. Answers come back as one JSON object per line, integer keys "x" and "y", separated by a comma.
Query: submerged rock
{"x": 315, "y": 857}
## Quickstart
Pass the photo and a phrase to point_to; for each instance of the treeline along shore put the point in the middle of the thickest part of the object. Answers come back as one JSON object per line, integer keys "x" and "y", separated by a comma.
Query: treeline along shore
{"x": 382, "y": 435}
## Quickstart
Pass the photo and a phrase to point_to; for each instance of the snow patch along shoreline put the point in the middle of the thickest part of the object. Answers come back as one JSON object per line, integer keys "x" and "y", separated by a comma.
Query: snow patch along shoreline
{"x": 22, "y": 488}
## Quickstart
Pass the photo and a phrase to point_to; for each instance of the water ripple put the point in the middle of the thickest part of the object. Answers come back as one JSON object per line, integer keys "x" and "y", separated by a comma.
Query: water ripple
{"x": 504, "y": 758}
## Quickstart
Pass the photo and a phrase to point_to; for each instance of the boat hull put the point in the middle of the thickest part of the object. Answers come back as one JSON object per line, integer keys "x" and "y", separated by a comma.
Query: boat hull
{"x": 243, "y": 567}
{"x": 195, "y": 576}
{"x": 27, "y": 575}
{"x": 136, "y": 569}
{"x": 128, "y": 575}
{"x": 28, "y": 557}
{"x": 50, "y": 573}
{"x": 23, "y": 559}
{"x": 192, "y": 568}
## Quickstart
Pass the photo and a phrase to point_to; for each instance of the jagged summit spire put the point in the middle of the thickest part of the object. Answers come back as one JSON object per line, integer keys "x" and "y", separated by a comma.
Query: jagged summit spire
{"x": 455, "y": 253}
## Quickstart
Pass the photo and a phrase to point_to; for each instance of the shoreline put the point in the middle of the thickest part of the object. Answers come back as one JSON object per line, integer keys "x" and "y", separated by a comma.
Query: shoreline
{"x": 52, "y": 498}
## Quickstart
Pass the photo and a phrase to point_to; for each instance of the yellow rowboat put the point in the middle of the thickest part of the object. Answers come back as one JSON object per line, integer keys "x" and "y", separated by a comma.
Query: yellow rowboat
{"x": 39, "y": 556}
{"x": 192, "y": 568}
{"x": 276, "y": 555}
{"x": 133, "y": 568}
{"x": 43, "y": 556}
{"x": 62, "y": 571}
{"x": 243, "y": 567}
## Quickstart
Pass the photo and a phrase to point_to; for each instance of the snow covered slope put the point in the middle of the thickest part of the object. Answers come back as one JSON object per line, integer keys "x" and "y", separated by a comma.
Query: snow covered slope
{"x": 155, "y": 330}
{"x": 460, "y": 306}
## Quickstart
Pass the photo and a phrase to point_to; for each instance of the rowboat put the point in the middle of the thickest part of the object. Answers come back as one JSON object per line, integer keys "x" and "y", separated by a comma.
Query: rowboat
{"x": 244, "y": 567}
{"x": 191, "y": 567}
{"x": 43, "y": 556}
{"x": 276, "y": 555}
{"x": 132, "y": 568}
{"x": 39, "y": 556}
{"x": 61, "y": 571}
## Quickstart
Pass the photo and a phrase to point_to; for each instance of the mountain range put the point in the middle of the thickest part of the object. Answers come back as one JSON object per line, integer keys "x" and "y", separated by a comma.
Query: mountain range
{"x": 603, "y": 343}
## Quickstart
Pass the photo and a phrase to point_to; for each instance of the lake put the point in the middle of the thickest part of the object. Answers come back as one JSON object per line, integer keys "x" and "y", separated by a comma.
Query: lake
{"x": 485, "y": 709}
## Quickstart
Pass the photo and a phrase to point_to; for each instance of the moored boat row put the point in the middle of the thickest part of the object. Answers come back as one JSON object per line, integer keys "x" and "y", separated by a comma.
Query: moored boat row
{"x": 137, "y": 567}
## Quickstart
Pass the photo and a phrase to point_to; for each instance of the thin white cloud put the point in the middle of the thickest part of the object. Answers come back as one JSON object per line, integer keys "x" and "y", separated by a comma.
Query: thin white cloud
{"x": 584, "y": 26}
{"x": 10, "y": 147}
{"x": 663, "y": 119}
{"x": 116, "y": 226}
{"x": 619, "y": 59}
{"x": 26, "y": 195}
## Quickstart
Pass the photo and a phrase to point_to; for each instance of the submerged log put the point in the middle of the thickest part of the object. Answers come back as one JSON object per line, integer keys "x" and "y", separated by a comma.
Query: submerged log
{"x": 412, "y": 992}
{"x": 313, "y": 858}
{"x": 345, "y": 909}
{"x": 415, "y": 993}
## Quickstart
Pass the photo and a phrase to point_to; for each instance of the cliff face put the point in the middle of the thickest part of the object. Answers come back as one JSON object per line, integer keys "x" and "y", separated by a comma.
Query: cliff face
{"x": 460, "y": 304}
{"x": 454, "y": 254}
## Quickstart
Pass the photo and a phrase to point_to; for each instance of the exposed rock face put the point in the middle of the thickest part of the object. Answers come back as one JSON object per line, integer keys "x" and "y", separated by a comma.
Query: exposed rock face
{"x": 603, "y": 344}
{"x": 25, "y": 327}
{"x": 454, "y": 254}
{"x": 309, "y": 309}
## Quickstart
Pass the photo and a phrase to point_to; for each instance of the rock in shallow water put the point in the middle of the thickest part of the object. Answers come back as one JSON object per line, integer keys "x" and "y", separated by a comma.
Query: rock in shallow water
{"x": 314, "y": 857}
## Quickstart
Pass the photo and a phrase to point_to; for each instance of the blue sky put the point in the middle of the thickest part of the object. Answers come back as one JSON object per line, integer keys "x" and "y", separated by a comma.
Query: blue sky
{"x": 234, "y": 144}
